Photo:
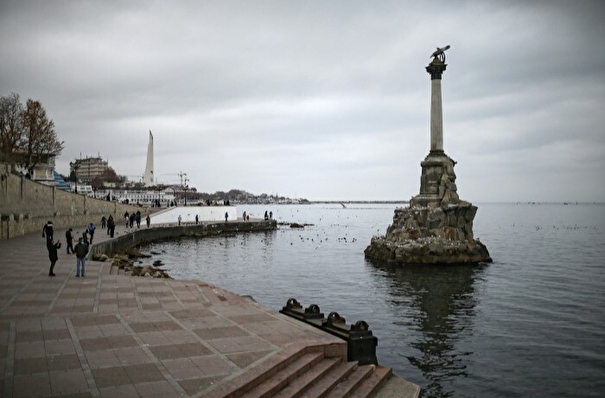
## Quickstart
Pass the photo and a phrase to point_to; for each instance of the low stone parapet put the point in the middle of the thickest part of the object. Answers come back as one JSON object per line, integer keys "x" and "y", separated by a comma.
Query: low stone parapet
{"x": 147, "y": 235}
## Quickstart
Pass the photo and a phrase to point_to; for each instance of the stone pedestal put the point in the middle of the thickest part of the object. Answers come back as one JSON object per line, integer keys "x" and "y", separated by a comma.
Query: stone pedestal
{"x": 437, "y": 227}
{"x": 437, "y": 181}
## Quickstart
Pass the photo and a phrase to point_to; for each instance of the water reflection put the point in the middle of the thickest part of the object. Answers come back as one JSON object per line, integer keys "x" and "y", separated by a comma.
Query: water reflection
{"x": 439, "y": 305}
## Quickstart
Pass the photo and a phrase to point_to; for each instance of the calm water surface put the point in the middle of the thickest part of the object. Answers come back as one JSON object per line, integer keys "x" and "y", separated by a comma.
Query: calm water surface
{"x": 531, "y": 324}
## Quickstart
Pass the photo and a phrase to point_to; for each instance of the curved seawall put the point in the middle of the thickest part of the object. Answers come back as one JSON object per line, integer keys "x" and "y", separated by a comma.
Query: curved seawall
{"x": 146, "y": 235}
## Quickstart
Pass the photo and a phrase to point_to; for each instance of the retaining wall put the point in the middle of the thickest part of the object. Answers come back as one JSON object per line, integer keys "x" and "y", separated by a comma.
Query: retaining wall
{"x": 146, "y": 235}
{"x": 25, "y": 206}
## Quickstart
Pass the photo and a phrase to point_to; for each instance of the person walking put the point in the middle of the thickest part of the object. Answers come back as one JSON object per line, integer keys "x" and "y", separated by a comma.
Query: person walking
{"x": 47, "y": 231}
{"x": 179, "y": 219}
{"x": 226, "y": 216}
{"x": 137, "y": 219}
{"x": 69, "y": 241}
{"x": 103, "y": 222}
{"x": 148, "y": 221}
{"x": 127, "y": 218}
{"x": 111, "y": 226}
{"x": 52, "y": 254}
{"x": 91, "y": 231}
{"x": 81, "y": 252}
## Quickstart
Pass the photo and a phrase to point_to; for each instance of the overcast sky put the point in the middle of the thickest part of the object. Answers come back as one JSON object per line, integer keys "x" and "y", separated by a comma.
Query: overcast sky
{"x": 321, "y": 100}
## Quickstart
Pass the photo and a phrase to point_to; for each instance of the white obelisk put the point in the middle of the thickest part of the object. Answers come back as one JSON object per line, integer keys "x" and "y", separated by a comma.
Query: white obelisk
{"x": 148, "y": 176}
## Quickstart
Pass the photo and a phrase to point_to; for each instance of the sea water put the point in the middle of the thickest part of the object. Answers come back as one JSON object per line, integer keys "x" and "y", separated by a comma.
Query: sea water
{"x": 532, "y": 323}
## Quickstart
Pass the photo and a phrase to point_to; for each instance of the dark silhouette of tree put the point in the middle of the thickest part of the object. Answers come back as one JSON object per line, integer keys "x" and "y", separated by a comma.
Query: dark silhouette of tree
{"x": 97, "y": 183}
{"x": 27, "y": 135}
{"x": 110, "y": 175}
{"x": 40, "y": 136}
{"x": 11, "y": 127}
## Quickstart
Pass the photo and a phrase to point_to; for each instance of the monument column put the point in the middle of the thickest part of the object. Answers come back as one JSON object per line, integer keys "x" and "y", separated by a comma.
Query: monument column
{"x": 436, "y": 69}
{"x": 437, "y": 227}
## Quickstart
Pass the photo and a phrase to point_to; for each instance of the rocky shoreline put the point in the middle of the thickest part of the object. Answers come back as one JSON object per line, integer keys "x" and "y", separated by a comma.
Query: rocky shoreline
{"x": 129, "y": 260}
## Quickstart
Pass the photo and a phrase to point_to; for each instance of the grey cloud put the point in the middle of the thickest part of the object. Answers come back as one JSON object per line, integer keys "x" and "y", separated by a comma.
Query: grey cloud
{"x": 328, "y": 100}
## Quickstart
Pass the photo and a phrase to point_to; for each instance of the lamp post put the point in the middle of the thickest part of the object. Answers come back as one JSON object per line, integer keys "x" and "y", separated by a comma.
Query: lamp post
{"x": 185, "y": 187}
{"x": 75, "y": 166}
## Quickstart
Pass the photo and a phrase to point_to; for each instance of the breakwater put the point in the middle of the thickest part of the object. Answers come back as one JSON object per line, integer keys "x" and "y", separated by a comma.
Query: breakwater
{"x": 167, "y": 232}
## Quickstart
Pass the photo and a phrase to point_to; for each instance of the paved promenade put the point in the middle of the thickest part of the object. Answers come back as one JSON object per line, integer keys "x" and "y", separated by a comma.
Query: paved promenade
{"x": 113, "y": 335}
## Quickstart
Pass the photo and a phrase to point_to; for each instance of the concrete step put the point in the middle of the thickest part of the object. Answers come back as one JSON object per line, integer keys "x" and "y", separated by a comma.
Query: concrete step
{"x": 312, "y": 381}
{"x": 313, "y": 376}
{"x": 306, "y": 373}
{"x": 363, "y": 383}
{"x": 249, "y": 380}
{"x": 372, "y": 384}
{"x": 272, "y": 384}
{"x": 330, "y": 380}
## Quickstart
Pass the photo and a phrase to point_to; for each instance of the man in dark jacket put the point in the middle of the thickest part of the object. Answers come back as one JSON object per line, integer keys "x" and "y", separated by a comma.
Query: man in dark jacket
{"x": 111, "y": 226}
{"x": 47, "y": 231}
{"x": 81, "y": 252}
{"x": 52, "y": 254}
{"x": 69, "y": 240}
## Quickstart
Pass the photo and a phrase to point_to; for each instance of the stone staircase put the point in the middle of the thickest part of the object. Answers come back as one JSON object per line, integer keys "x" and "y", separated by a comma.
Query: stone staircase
{"x": 306, "y": 372}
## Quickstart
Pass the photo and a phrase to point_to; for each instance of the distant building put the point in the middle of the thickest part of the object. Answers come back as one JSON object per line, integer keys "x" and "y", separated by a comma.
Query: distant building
{"x": 43, "y": 171}
{"x": 158, "y": 198}
{"x": 87, "y": 169}
{"x": 82, "y": 189}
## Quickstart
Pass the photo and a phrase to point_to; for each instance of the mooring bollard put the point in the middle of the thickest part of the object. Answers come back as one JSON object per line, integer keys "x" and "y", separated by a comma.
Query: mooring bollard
{"x": 361, "y": 343}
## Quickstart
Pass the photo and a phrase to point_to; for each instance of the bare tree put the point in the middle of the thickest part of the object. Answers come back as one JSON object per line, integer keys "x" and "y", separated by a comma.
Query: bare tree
{"x": 11, "y": 128}
{"x": 40, "y": 136}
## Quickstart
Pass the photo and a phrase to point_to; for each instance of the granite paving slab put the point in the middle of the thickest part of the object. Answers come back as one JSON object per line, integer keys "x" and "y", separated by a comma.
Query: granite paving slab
{"x": 113, "y": 335}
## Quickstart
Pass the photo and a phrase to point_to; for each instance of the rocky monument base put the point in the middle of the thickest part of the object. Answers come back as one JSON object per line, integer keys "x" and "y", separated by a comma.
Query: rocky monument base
{"x": 437, "y": 227}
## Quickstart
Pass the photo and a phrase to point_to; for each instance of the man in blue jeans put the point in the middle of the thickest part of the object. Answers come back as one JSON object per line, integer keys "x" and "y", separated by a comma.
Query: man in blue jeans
{"x": 81, "y": 252}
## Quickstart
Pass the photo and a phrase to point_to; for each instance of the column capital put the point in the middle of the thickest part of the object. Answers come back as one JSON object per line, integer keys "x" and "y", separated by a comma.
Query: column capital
{"x": 436, "y": 69}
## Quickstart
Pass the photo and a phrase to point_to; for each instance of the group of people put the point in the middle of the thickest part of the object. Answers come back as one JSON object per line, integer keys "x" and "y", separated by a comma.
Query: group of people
{"x": 80, "y": 250}
{"x": 133, "y": 218}
{"x": 110, "y": 224}
{"x": 246, "y": 217}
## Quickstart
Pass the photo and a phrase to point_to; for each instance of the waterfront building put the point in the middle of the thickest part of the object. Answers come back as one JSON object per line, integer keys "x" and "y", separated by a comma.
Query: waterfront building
{"x": 89, "y": 168}
{"x": 159, "y": 198}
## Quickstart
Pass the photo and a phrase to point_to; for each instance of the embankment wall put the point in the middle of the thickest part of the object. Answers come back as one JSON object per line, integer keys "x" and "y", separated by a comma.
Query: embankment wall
{"x": 25, "y": 206}
{"x": 146, "y": 235}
